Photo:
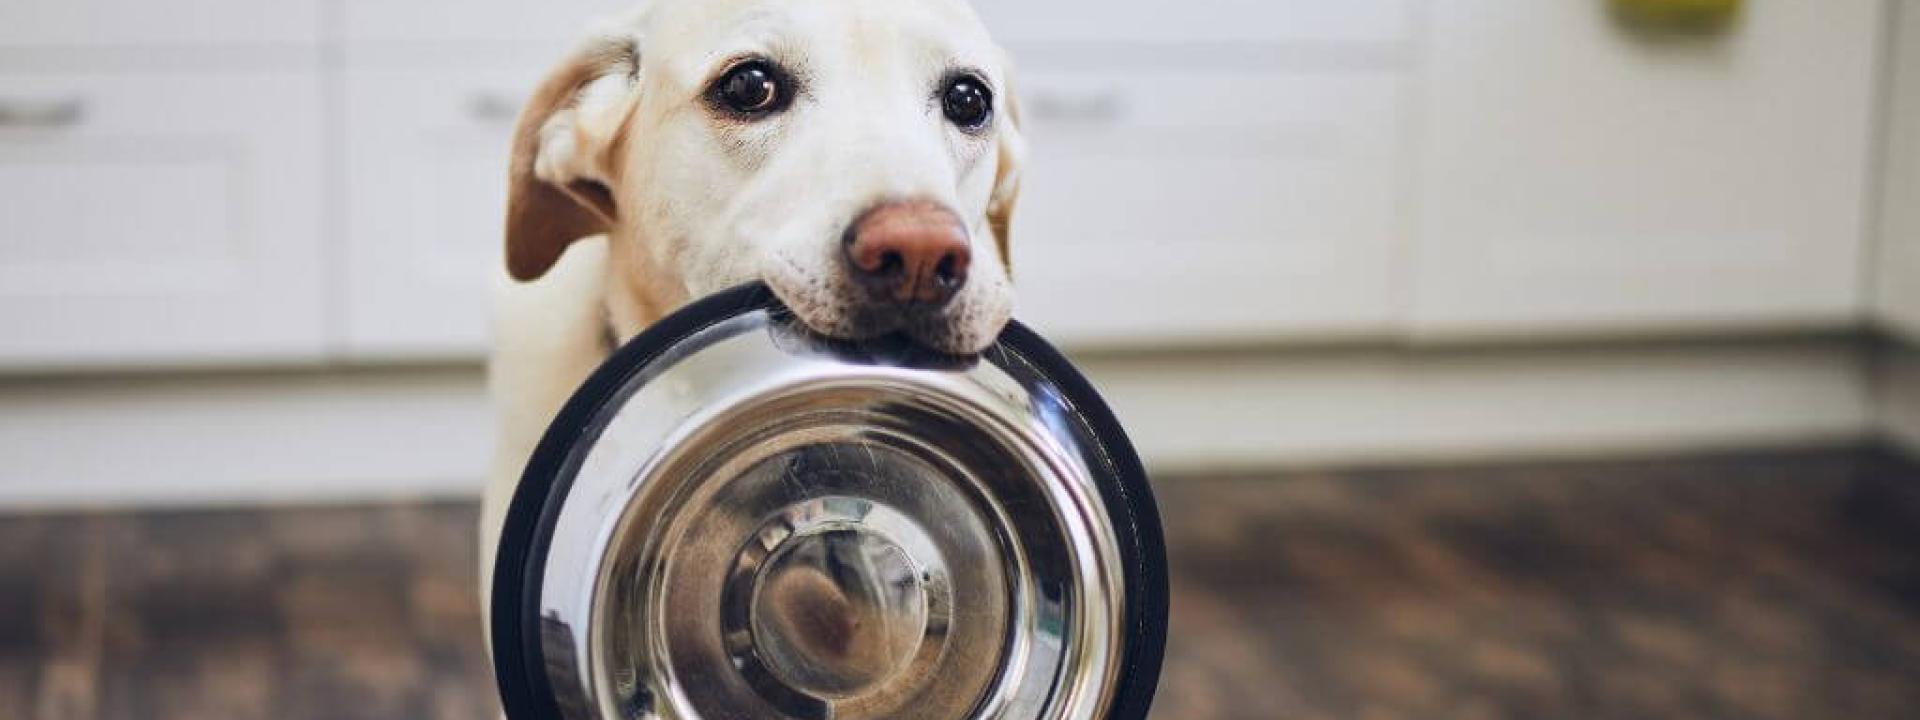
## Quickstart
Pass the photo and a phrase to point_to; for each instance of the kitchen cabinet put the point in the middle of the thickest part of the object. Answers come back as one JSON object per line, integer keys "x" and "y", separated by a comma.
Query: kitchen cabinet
{"x": 151, "y": 218}
{"x": 1578, "y": 178}
{"x": 425, "y": 195}
{"x": 1312, "y": 25}
{"x": 94, "y": 25}
{"x": 480, "y": 26}
{"x": 1195, "y": 181}
{"x": 1896, "y": 267}
{"x": 295, "y": 181}
{"x": 430, "y": 90}
{"x": 1151, "y": 213}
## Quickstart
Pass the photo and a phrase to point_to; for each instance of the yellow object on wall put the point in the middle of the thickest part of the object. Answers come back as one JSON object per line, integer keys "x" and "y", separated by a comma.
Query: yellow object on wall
{"x": 1677, "y": 16}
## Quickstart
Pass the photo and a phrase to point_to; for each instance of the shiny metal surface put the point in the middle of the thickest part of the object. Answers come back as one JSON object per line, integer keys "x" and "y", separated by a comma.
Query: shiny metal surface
{"x": 768, "y": 525}
{"x": 829, "y": 604}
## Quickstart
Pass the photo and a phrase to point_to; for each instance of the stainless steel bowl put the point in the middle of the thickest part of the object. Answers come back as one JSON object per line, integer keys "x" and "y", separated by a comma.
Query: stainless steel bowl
{"x": 735, "y": 518}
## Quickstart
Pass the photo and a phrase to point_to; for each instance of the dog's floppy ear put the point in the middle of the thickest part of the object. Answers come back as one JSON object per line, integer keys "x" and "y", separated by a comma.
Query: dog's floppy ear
{"x": 566, "y": 147}
{"x": 1006, "y": 181}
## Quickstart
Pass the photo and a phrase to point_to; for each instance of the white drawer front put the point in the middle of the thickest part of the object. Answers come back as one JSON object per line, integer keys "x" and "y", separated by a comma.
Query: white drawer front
{"x": 426, "y": 192}
{"x": 1203, "y": 206}
{"x": 554, "y": 24}
{"x": 160, "y": 217}
{"x": 1578, "y": 178}
{"x": 1311, "y": 22}
{"x": 1018, "y": 22}
{"x": 154, "y": 23}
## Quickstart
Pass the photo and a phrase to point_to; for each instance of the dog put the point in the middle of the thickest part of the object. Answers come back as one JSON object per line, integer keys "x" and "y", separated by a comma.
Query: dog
{"x": 861, "y": 157}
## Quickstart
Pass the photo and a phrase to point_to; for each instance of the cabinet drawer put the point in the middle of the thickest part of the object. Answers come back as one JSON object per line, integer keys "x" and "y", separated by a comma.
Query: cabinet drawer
{"x": 1284, "y": 22}
{"x": 158, "y": 23}
{"x": 1018, "y": 22}
{"x": 426, "y": 194}
{"x": 157, "y": 218}
{"x": 1580, "y": 178}
{"x": 552, "y": 25}
{"x": 1218, "y": 206}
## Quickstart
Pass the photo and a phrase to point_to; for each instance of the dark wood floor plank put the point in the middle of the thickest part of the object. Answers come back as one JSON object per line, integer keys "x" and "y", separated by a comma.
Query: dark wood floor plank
{"x": 1778, "y": 585}
{"x": 1719, "y": 587}
{"x": 74, "y": 610}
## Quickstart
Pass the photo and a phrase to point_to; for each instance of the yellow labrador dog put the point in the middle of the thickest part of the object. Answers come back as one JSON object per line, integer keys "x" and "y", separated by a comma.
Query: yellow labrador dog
{"x": 859, "y": 156}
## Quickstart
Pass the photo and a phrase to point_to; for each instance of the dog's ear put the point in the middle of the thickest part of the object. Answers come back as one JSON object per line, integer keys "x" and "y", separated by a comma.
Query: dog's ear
{"x": 566, "y": 148}
{"x": 1006, "y": 181}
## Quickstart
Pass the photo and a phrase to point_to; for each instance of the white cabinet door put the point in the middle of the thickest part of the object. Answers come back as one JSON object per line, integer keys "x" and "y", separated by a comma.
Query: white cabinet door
{"x": 106, "y": 24}
{"x": 1314, "y": 23}
{"x": 552, "y": 24}
{"x": 1192, "y": 206}
{"x": 1897, "y": 266}
{"x": 1575, "y": 177}
{"x": 426, "y": 185}
{"x": 158, "y": 217}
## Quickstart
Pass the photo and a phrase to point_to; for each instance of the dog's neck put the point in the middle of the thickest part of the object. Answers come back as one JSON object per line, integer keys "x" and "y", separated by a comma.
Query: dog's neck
{"x": 627, "y": 314}
{"x": 636, "y": 297}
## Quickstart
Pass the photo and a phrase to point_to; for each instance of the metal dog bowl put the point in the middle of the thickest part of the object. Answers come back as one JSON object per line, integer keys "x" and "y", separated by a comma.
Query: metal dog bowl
{"x": 734, "y": 518}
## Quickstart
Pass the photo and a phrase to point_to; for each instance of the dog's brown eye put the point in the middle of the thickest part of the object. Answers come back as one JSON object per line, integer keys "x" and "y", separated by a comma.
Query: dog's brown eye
{"x": 967, "y": 103}
{"x": 753, "y": 88}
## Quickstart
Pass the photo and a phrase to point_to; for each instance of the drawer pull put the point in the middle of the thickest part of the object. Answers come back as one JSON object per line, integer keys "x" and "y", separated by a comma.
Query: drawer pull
{"x": 493, "y": 107}
{"x": 1677, "y": 17}
{"x": 66, "y": 112}
{"x": 1086, "y": 109}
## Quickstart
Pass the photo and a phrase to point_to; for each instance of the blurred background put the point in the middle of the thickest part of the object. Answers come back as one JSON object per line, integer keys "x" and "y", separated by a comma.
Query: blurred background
{"x": 1494, "y": 358}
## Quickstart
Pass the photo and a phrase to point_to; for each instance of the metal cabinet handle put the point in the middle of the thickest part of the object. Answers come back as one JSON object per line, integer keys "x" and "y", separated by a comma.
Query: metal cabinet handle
{"x": 490, "y": 107}
{"x": 63, "y": 112}
{"x": 1098, "y": 108}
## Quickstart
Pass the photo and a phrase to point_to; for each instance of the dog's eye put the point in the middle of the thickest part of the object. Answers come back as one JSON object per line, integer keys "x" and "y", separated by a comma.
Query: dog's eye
{"x": 751, "y": 88}
{"x": 967, "y": 103}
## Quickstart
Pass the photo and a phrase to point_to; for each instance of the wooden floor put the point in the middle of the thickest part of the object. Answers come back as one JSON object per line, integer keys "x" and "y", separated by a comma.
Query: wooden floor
{"x": 1754, "y": 586}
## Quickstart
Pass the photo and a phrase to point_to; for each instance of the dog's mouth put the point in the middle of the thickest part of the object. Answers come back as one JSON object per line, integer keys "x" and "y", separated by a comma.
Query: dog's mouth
{"x": 837, "y": 309}
{"x": 938, "y": 328}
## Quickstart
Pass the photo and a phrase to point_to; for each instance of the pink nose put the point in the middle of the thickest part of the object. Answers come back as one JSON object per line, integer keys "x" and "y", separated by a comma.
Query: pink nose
{"x": 909, "y": 253}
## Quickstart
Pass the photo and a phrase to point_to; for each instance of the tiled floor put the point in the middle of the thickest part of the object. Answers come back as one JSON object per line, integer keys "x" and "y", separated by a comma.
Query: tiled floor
{"x": 1763, "y": 585}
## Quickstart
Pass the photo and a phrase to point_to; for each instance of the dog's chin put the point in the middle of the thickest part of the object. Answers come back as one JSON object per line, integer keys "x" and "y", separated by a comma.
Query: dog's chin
{"x": 968, "y": 326}
{"x": 965, "y": 327}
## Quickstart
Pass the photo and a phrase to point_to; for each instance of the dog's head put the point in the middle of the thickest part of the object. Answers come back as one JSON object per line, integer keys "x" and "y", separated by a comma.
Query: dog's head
{"x": 860, "y": 156}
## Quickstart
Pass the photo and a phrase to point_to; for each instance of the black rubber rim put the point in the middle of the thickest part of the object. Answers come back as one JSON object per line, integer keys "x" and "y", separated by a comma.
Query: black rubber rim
{"x": 518, "y": 658}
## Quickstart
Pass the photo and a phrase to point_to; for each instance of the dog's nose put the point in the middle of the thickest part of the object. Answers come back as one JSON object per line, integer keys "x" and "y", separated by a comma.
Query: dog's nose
{"x": 910, "y": 253}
